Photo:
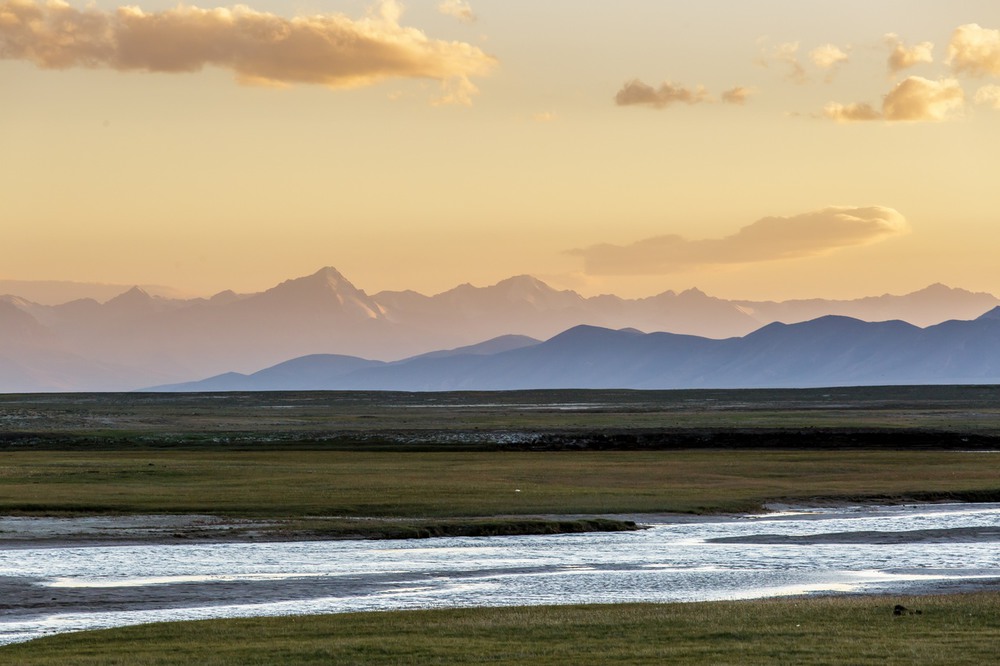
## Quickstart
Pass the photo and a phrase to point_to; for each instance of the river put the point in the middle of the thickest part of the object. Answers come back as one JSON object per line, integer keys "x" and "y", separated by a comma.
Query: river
{"x": 899, "y": 549}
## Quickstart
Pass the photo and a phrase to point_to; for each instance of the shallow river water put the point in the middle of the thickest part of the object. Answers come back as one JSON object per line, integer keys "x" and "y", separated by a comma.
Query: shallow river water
{"x": 860, "y": 549}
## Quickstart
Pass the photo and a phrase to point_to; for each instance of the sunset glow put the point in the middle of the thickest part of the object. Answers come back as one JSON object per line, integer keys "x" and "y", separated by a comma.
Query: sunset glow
{"x": 767, "y": 150}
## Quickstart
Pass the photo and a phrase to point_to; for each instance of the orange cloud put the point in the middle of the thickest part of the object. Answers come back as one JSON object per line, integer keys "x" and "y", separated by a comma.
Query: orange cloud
{"x": 767, "y": 239}
{"x": 903, "y": 57}
{"x": 635, "y": 92}
{"x": 915, "y": 99}
{"x": 974, "y": 50}
{"x": 918, "y": 99}
{"x": 260, "y": 48}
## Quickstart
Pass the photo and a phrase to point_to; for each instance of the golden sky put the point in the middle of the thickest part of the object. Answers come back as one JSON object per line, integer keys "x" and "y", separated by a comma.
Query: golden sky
{"x": 771, "y": 149}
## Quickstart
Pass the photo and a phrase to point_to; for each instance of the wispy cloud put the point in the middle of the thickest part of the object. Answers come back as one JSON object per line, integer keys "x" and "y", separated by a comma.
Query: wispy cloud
{"x": 637, "y": 93}
{"x": 974, "y": 50}
{"x": 915, "y": 99}
{"x": 849, "y": 113}
{"x": 989, "y": 96}
{"x": 827, "y": 56}
{"x": 260, "y": 48}
{"x": 767, "y": 239}
{"x": 786, "y": 53}
{"x": 460, "y": 9}
{"x": 737, "y": 95}
{"x": 903, "y": 57}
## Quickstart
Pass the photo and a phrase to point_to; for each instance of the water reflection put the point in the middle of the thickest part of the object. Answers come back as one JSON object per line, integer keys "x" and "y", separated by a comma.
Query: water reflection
{"x": 50, "y": 590}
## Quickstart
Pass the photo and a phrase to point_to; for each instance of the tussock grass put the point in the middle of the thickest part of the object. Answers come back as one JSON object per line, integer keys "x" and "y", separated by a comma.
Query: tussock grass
{"x": 953, "y": 629}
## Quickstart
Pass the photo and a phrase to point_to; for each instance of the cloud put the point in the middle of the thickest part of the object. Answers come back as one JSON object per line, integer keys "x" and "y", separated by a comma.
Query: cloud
{"x": 260, "y": 48}
{"x": 989, "y": 96}
{"x": 737, "y": 95}
{"x": 903, "y": 57}
{"x": 788, "y": 54}
{"x": 767, "y": 239}
{"x": 637, "y": 93}
{"x": 828, "y": 56}
{"x": 545, "y": 117}
{"x": 974, "y": 50}
{"x": 915, "y": 99}
{"x": 849, "y": 113}
{"x": 919, "y": 99}
{"x": 460, "y": 9}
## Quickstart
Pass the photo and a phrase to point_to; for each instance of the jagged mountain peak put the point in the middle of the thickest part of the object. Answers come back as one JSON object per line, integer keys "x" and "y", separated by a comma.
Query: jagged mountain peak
{"x": 693, "y": 292}
{"x": 326, "y": 289}
{"x": 136, "y": 293}
{"x": 532, "y": 290}
{"x": 326, "y": 279}
{"x": 135, "y": 299}
{"x": 522, "y": 282}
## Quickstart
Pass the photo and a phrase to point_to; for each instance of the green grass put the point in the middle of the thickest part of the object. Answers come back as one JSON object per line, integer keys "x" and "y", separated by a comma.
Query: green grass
{"x": 163, "y": 419}
{"x": 954, "y": 629}
{"x": 288, "y": 483}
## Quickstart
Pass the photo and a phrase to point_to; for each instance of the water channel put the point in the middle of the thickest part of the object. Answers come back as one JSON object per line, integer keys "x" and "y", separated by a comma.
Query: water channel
{"x": 54, "y": 589}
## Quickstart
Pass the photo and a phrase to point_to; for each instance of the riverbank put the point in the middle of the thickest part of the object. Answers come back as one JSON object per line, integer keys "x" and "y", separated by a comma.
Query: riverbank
{"x": 956, "y": 629}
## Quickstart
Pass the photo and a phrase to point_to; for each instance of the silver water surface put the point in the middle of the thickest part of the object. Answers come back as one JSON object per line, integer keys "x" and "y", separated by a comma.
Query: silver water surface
{"x": 672, "y": 561}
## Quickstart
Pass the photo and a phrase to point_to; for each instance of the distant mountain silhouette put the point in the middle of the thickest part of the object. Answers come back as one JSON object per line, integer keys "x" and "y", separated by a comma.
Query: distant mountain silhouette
{"x": 828, "y": 351}
{"x": 56, "y": 292}
{"x": 925, "y": 307}
{"x": 141, "y": 339}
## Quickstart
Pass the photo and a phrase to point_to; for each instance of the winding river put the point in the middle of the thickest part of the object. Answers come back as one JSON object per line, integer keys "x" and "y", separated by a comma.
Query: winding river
{"x": 797, "y": 551}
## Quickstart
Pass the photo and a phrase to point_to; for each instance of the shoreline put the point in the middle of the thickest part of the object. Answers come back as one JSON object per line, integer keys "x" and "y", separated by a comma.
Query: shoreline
{"x": 28, "y": 532}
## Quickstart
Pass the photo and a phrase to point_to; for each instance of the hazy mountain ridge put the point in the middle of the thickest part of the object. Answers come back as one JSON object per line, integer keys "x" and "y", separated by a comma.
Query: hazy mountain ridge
{"x": 140, "y": 339}
{"x": 829, "y": 351}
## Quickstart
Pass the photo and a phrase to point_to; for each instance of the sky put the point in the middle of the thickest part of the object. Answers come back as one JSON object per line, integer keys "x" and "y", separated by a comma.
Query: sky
{"x": 772, "y": 149}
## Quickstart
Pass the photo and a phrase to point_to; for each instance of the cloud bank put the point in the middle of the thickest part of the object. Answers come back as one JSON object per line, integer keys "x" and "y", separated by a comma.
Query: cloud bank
{"x": 767, "y": 239}
{"x": 915, "y": 99}
{"x": 260, "y": 48}
{"x": 974, "y": 50}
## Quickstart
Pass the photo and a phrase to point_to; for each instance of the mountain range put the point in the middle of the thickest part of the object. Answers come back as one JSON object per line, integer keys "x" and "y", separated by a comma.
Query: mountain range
{"x": 137, "y": 339}
{"x": 828, "y": 351}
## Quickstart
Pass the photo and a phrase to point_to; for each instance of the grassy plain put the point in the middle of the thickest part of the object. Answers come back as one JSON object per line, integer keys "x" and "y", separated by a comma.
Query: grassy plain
{"x": 435, "y": 456}
{"x": 421, "y": 484}
{"x": 956, "y": 629}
